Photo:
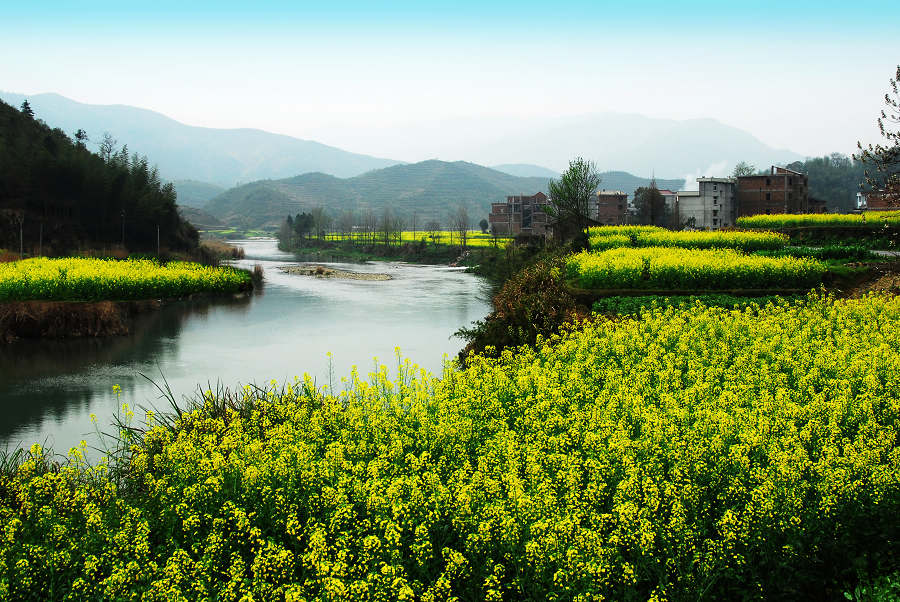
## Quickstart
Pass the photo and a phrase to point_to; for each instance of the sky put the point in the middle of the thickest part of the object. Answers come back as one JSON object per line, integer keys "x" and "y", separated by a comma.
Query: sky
{"x": 804, "y": 76}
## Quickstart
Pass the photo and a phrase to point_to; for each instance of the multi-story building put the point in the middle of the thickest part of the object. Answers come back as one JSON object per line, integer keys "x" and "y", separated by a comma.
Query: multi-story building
{"x": 780, "y": 191}
{"x": 611, "y": 208}
{"x": 521, "y": 215}
{"x": 711, "y": 207}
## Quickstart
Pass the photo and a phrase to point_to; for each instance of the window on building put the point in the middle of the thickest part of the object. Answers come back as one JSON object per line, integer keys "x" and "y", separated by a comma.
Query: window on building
{"x": 715, "y": 186}
{"x": 790, "y": 181}
{"x": 715, "y": 222}
{"x": 715, "y": 212}
{"x": 768, "y": 196}
{"x": 768, "y": 181}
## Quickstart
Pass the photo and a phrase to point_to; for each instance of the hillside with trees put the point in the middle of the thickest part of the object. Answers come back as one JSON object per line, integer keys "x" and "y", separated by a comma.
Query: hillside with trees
{"x": 57, "y": 197}
{"x": 834, "y": 178}
{"x": 430, "y": 189}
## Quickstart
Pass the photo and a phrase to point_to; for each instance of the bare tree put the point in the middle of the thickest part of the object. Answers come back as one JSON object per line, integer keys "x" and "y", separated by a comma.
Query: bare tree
{"x": 432, "y": 228}
{"x": 460, "y": 224}
{"x": 345, "y": 223}
{"x": 107, "y": 146}
{"x": 743, "y": 169}
{"x": 884, "y": 160}
{"x": 388, "y": 221}
{"x": 321, "y": 220}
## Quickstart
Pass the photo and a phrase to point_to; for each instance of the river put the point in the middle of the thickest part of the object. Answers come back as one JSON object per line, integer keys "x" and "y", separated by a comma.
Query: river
{"x": 49, "y": 389}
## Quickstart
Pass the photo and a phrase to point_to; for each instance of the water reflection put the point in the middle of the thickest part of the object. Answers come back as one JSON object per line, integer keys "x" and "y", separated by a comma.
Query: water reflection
{"x": 48, "y": 389}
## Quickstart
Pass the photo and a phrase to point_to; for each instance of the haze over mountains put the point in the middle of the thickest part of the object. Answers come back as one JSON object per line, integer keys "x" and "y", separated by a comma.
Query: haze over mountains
{"x": 431, "y": 189}
{"x": 628, "y": 142}
{"x": 183, "y": 152}
{"x": 615, "y": 141}
{"x": 274, "y": 174}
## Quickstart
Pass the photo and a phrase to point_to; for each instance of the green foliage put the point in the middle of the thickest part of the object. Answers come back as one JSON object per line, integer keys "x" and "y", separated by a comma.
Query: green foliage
{"x": 532, "y": 303}
{"x": 571, "y": 196}
{"x": 70, "y": 198}
{"x": 689, "y": 269}
{"x": 833, "y": 178}
{"x": 77, "y": 279}
{"x": 650, "y": 206}
{"x": 641, "y": 303}
{"x": 696, "y": 453}
{"x": 855, "y": 252}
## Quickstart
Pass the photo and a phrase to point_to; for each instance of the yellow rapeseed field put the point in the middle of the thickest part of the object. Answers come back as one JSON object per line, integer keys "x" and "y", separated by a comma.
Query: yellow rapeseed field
{"x": 870, "y": 219}
{"x": 691, "y": 453}
{"x": 82, "y": 279}
{"x": 690, "y": 269}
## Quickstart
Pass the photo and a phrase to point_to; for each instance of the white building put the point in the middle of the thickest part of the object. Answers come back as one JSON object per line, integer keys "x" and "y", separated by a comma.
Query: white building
{"x": 711, "y": 207}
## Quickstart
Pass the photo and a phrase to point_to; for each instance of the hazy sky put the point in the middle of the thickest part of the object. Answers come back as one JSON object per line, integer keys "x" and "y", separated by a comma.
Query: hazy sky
{"x": 808, "y": 76}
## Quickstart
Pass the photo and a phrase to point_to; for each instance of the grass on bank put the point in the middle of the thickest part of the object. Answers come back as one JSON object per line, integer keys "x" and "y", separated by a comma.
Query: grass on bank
{"x": 690, "y": 269}
{"x": 82, "y": 279}
{"x": 694, "y": 453}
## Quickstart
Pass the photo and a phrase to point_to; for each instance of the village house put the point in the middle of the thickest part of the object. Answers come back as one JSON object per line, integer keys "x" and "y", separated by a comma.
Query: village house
{"x": 780, "y": 191}
{"x": 611, "y": 208}
{"x": 521, "y": 214}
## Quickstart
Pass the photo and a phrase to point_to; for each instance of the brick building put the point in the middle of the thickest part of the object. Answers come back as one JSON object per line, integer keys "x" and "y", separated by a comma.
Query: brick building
{"x": 780, "y": 191}
{"x": 874, "y": 201}
{"x": 521, "y": 215}
{"x": 611, "y": 208}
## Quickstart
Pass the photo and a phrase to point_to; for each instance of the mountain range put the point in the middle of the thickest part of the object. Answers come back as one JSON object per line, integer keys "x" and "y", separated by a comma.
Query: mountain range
{"x": 525, "y": 147}
{"x": 221, "y": 157}
{"x": 432, "y": 189}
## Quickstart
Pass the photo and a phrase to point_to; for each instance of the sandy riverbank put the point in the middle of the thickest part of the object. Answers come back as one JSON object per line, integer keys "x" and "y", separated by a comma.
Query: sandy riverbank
{"x": 319, "y": 271}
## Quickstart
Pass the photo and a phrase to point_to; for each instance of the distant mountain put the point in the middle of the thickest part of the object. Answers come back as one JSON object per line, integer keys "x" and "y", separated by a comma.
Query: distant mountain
{"x": 615, "y": 141}
{"x": 624, "y": 181}
{"x": 182, "y": 152}
{"x": 525, "y": 170}
{"x": 199, "y": 218}
{"x": 431, "y": 188}
{"x": 192, "y": 193}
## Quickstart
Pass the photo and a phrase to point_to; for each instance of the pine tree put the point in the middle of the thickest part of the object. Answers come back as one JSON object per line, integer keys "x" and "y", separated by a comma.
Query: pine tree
{"x": 26, "y": 109}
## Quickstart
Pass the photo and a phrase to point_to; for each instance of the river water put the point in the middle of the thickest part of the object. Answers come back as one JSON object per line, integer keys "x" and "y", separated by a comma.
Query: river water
{"x": 49, "y": 389}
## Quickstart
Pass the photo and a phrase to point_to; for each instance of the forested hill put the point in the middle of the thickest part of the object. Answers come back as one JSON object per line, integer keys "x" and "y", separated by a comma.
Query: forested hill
{"x": 67, "y": 198}
{"x": 835, "y": 179}
{"x": 432, "y": 189}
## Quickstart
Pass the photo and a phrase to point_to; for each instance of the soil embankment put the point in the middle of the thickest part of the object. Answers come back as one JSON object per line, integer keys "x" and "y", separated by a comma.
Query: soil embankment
{"x": 64, "y": 319}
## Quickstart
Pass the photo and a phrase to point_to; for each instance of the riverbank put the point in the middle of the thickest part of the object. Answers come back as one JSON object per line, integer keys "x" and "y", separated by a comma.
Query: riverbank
{"x": 77, "y": 297}
{"x": 76, "y": 319}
